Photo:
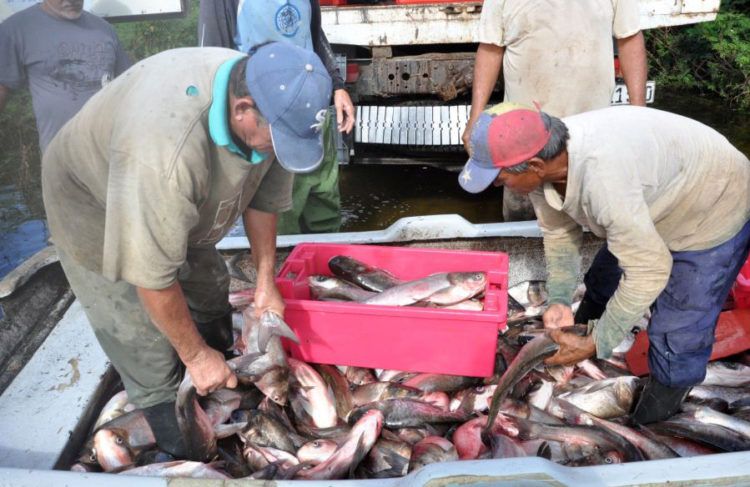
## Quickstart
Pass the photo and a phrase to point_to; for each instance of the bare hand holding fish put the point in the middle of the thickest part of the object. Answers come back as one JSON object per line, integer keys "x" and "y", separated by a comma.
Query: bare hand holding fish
{"x": 558, "y": 316}
{"x": 573, "y": 348}
{"x": 268, "y": 298}
{"x": 210, "y": 372}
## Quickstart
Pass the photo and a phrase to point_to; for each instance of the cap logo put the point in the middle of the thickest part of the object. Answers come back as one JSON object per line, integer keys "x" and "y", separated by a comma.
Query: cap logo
{"x": 466, "y": 175}
{"x": 320, "y": 117}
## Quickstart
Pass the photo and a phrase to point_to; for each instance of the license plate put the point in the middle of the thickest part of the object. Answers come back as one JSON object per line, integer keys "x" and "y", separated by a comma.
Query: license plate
{"x": 620, "y": 95}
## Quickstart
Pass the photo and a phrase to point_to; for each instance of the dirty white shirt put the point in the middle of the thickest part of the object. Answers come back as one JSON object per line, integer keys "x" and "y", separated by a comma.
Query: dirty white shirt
{"x": 558, "y": 53}
{"x": 650, "y": 182}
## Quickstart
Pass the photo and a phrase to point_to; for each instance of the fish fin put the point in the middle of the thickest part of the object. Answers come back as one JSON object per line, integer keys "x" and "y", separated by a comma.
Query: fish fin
{"x": 122, "y": 468}
{"x": 227, "y": 430}
{"x": 494, "y": 409}
{"x": 273, "y": 325}
{"x": 292, "y": 471}
{"x": 544, "y": 451}
{"x": 359, "y": 454}
{"x": 466, "y": 406}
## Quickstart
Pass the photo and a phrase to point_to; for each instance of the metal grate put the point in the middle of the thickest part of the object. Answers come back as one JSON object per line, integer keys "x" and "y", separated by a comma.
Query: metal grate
{"x": 411, "y": 125}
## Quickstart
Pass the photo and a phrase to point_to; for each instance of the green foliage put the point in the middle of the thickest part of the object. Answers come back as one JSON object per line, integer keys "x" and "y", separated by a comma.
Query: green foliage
{"x": 19, "y": 156}
{"x": 143, "y": 39}
{"x": 711, "y": 57}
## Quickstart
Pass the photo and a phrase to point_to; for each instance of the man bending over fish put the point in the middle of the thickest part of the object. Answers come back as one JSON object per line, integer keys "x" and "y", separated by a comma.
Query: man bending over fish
{"x": 149, "y": 175}
{"x": 671, "y": 198}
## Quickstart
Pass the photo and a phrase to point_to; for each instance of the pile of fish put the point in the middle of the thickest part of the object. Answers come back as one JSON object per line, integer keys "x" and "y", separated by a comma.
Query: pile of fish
{"x": 292, "y": 420}
{"x": 356, "y": 281}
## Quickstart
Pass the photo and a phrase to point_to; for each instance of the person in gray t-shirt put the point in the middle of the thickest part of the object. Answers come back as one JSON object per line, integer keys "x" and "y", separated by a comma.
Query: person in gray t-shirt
{"x": 64, "y": 54}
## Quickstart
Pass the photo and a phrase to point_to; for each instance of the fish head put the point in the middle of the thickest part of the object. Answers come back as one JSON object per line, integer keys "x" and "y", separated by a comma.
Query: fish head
{"x": 254, "y": 457}
{"x": 537, "y": 293}
{"x": 275, "y": 385}
{"x": 112, "y": 449}
{"x": 316, "y": 451}
{"x": 320, "y": 282}
{"x": 612, "y": 457}
{"x": 342, "y": 264}
{"x": 88, "y": 454}
{"x": 472, "y": 283}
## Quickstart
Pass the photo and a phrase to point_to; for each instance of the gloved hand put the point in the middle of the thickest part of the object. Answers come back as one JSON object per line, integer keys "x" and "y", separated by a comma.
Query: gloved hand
{"x": 573, "y": 348}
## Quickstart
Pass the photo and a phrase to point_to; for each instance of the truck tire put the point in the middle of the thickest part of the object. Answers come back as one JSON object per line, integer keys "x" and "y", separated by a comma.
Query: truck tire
{"x": 517, "y": 207}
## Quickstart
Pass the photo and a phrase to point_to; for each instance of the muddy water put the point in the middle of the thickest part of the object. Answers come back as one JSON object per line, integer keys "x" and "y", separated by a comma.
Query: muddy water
{"x": 373, "y": 197}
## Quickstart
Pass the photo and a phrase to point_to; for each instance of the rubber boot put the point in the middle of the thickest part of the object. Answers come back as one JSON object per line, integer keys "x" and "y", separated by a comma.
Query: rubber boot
{"x": 163, "y": 421}
{"x": 217, "y": 333}
{"x": 658, "y": 402}
{"x": 588, "y": 310}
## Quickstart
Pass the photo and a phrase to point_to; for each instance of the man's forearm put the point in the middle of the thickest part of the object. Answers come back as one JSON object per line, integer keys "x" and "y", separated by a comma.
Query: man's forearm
{"x": 4, "y": 93}
{"x": 563, "y": 263}
{"x": 487, "y": 65}
{"x": 632, "y": 54}
{"x": 168, "y": 310}
{"x": 261, "y": 232}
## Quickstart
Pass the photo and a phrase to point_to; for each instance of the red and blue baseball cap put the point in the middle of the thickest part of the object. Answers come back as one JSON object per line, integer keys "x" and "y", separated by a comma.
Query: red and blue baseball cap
{"x": 292, "y": 90}
{"x": 503, "y": 136}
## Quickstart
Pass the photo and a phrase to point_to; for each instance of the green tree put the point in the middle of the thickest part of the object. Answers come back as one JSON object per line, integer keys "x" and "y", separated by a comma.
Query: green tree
{"x": 711, "y": 57}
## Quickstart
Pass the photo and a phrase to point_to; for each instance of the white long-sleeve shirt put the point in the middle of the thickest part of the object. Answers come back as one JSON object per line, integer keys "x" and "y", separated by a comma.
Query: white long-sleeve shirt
{"x": 650, "y": 182}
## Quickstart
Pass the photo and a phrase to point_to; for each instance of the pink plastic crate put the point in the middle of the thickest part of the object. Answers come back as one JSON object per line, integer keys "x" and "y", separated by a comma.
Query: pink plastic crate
{"x": 401, "y": 338}
{"x": 741, "y": 287}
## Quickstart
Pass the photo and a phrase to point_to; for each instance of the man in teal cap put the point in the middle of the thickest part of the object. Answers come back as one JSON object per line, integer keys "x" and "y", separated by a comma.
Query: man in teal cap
{"x": 149, "y": 175}
{"x": 316, "y": 205}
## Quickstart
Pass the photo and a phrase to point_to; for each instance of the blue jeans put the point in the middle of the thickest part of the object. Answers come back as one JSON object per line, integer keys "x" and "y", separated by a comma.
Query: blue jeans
{"x": 684, "y": 315}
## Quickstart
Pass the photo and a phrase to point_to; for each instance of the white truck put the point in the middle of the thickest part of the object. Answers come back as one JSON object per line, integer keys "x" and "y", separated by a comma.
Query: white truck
{"x": 409, "y": 67}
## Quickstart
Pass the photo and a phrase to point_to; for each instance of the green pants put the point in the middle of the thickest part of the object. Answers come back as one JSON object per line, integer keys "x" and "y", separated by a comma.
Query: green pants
{"x": 316, "y": 203}
{"x": 148, "y": 365}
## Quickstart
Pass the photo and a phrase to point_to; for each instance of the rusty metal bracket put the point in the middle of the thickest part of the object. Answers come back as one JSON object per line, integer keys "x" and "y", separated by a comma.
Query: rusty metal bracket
{"x": 446, "y": 75}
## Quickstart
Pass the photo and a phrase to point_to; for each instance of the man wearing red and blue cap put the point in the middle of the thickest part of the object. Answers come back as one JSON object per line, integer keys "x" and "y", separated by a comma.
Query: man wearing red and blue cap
{"x": 149, "y": 175}
{"x": 557, "y": 53}
{"x": 671, "y": 197}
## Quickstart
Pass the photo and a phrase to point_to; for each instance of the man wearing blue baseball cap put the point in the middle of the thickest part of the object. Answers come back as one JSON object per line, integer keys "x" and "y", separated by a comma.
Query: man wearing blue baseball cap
{"x": 671, "y": 197}
{"x": 149, "y": 175}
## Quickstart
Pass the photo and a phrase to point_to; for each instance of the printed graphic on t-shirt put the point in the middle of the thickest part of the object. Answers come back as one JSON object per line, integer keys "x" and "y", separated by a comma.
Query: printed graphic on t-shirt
{"x": 226, "y": 212}
{"x": 288, "y": 19}
{"x": 82, "y": 68}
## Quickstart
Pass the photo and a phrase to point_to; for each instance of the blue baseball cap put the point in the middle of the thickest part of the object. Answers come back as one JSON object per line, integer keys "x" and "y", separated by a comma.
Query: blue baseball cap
{"x": 292, "y": 89}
